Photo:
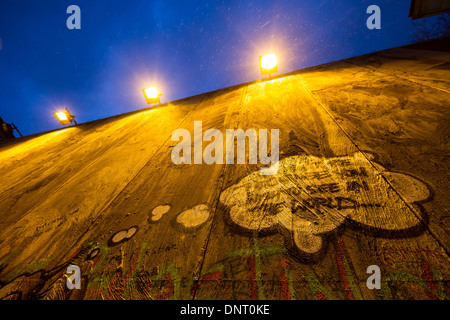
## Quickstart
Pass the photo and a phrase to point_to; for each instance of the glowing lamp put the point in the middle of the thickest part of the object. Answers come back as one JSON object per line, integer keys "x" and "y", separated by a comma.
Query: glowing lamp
{"x": 61, "y": 116}
{"x": 268, "y": 63}
{"x": 151, "y": 95}
{"x": 65, "y": 117}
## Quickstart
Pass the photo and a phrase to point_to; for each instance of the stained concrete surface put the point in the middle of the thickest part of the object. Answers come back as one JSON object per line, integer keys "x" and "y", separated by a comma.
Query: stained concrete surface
{"x": 363, "y": 180}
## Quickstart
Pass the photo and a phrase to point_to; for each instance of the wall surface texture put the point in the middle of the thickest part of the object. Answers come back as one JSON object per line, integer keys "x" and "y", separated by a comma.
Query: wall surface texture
{"x": 363, "y": 180}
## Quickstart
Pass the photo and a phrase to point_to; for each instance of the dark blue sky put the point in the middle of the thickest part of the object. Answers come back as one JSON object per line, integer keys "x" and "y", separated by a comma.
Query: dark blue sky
{"x": 183, "y": 47}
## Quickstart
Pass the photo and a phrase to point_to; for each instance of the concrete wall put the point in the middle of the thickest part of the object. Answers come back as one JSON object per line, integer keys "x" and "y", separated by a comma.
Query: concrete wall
{"x": 362, "y": 180}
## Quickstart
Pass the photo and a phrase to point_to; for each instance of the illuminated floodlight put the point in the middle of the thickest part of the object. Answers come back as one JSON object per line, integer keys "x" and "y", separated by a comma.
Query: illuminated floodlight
{"x": 268, "y": 63}
{"x": 65, "y": 117}
{"x": 61, "y": 116}
{"x": 151, "y": 95}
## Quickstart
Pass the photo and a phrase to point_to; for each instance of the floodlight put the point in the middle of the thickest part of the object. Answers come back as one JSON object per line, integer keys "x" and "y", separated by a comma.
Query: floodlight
{"x": 65, "y": 117}
{"x": 151, "y": 95}
{"x": 61, "y": 116}
{"x": 268, "y": 64}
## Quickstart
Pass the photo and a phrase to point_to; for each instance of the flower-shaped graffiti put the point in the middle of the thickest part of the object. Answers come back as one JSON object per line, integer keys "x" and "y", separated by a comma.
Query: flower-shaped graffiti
{"x": 311, "y": 196}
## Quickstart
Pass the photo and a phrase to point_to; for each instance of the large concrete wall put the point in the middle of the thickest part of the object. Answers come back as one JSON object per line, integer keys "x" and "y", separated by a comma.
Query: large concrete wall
{"x": 363, "y": 180}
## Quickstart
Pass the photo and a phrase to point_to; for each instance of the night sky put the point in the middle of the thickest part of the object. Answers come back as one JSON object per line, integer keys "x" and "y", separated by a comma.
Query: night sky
{"x": 182, "y": 47}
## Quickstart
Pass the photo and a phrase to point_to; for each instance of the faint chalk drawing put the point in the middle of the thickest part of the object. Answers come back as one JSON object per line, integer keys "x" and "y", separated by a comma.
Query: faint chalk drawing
{"x": 311, "y": 196}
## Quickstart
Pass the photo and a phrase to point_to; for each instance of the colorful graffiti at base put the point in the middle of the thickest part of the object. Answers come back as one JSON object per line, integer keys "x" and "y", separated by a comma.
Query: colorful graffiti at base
{"x": 48, "y": 281}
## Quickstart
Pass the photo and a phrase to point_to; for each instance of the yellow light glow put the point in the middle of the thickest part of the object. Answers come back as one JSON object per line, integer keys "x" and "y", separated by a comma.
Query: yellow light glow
{"x": 61, "y": 116}
{"x": 269, "y": 61}
{"x": 151, "y": 93}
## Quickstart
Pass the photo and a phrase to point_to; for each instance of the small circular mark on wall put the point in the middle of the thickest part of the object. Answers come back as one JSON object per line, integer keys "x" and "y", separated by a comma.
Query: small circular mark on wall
{"x": 122, "y": 236}
{"x": 93, "y": 254}
{"x": 194, "y": 217}
{"x": 158, "y": 212}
